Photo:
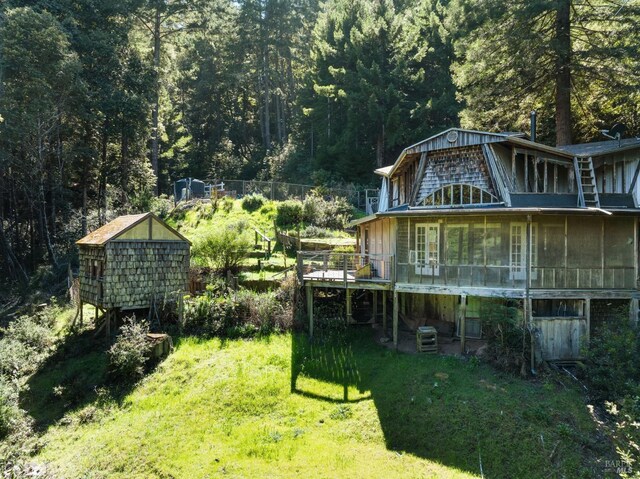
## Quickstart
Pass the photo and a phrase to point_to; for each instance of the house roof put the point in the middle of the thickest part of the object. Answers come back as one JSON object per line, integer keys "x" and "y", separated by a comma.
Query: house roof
{"x": 600, "y": 148}
{"x": 118, "y": 226}
{"x": 384, "y": 171}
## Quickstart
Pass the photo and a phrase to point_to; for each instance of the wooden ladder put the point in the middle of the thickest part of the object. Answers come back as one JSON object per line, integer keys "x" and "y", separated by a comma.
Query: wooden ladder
{"x": 586, "y": 180}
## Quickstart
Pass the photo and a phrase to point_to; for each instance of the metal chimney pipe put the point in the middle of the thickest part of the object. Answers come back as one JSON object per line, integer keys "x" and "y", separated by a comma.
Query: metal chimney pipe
{"x": 533, "y": 126}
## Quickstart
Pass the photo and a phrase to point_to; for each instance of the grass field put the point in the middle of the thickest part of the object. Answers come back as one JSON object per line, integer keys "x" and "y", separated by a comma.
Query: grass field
{"x": 282, "y": 407}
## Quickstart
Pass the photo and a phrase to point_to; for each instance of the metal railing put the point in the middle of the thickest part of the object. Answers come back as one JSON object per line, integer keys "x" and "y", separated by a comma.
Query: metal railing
{"x": 344, "y": 267}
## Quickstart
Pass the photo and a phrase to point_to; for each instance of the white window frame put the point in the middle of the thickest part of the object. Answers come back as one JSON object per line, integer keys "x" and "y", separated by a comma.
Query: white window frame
{"x": 518, "y": 268}
{"x": 427, "y": 260}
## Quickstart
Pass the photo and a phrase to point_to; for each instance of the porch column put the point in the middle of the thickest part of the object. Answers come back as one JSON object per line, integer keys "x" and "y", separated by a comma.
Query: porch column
{"x": 349, "y": 312}
{"x": 310, "y": 308}
{"x": 463, "y": 316}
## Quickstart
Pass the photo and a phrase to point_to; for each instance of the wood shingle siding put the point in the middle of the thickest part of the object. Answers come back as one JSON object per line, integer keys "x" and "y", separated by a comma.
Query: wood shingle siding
{"x": 127, "y": 268}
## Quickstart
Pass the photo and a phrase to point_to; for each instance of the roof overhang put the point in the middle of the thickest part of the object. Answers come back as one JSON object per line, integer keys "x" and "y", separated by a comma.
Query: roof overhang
{"x": 410, "y": 212}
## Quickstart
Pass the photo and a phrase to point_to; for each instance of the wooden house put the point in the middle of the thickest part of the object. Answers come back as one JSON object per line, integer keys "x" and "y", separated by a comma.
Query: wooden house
{"x": 128, "y": 262}
{"x": 468, "y": 220}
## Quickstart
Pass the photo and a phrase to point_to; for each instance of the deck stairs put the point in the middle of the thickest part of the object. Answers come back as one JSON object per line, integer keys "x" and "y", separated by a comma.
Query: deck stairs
{"x": 586, "y": 179}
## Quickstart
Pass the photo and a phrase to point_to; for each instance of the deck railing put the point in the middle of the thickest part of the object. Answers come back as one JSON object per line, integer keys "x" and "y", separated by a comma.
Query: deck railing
{"x": 506, "y": 276}
{"x": 344, "y": 267}
{"x": 336, "y": 267}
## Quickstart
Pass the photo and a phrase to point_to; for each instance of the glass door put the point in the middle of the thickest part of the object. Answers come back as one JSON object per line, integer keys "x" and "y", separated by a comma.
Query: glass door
{"x": 428, "y": 249}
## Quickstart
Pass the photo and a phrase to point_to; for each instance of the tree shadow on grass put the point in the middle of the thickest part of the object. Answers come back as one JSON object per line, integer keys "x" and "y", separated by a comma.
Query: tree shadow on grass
{"x": 454, "y": 412}
{"x": 73, "y": 377}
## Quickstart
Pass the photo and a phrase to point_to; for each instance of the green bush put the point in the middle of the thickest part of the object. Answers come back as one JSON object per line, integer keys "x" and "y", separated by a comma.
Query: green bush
{"x": 16, "y": 358}
{"x": 9, "y": 410}
{"x": 227, "y": 204}
{"x": 224, "y": 249}
{"x": 508, "y": 338}
{"x": 289, "y": 214}
{"x": 245, "y": 313}
{"x": 253, "y": 202}
{"x": 129, "y": 354}
{"x": 612, "y": 357}
{"x": 332, "y": 214}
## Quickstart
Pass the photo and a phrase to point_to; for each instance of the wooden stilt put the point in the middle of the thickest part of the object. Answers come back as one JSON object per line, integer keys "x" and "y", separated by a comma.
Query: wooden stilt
{"x": 375, "y": 306}
{"x": 81, "y": 312}
{"x": 395, "y": 318}
{"x": 95, "y": 314}
{"x": 349, "y": 309}
{"x": 384, "y": 313}
{"x": 107, "y": 318}
{"x": 463, "y": 314}
{"x": 633, "y": 312}
{"x": 310, "y": 308}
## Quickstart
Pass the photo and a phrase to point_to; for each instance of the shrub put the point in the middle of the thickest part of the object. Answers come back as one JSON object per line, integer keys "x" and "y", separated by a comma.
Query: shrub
{"x": 224, "y": 249}
{"x": 332, "y": 214}
{"x": 253, "y": 202}
{"x": 289, "y": 214}
{"x": 9, "y": 411}
{"x": 16, "y": 358}
{"x": 227, "y": 204}
{"x": 161, "y": 205}
{"x": 612, "y": 359}
{"x": 508, "y": 338}
{"x": 130, "y": 352}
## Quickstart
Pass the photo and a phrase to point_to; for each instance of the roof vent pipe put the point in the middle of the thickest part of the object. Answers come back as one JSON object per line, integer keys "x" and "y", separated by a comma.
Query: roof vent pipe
{"x": 533, "y": 126}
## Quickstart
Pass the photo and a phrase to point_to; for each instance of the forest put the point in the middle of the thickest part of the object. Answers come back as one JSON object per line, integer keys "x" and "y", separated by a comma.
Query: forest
{"x": 104, "y": 103}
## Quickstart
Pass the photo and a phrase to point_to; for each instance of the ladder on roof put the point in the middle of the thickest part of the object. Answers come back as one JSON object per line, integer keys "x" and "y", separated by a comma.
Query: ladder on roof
{"x": 586, "y": 180}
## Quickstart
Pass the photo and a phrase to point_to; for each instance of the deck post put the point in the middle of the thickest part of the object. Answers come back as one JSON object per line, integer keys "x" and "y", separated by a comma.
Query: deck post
{"x": 633, "y": 311}
{"x": 81, "y": 311}
{"x": 375, "y": 306}
{"x": 108, "y": 323}
{"x": 349, "y": 312}
{"x": 384, "y": 312}
{"x": 310, "y": 308}
{"x": 463, "y": 316}
{"x": 587, "y": 316}
{"x": 395, "y": 319}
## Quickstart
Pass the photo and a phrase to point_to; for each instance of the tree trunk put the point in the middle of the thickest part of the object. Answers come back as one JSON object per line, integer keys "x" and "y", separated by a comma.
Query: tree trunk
{"x": 155, "y": 140}
{"x": 102, "y": 185}
{"x": 380, "y": 149}
{"x": 267, "y": 98}
{"x": 563, "y": 73}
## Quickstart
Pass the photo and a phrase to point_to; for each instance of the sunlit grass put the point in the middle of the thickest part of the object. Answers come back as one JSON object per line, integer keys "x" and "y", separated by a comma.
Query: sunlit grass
{"x": 358, "y": 410}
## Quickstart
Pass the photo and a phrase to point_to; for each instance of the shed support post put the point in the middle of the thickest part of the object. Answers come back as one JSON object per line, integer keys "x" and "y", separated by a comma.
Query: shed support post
{"x": 349, "y": 312}
{"x": 395, "y": 319}
{"x": 310, "y": 308}
{"x": 375, "y": 306}
{"x": 81, "y": 310}
{"x": 463, "y": 325}
{"x": 633, "y": 311}
{"x": 108, "y": 323}
{"x": 384, "y": 313}
{"x": 587, "y": 317}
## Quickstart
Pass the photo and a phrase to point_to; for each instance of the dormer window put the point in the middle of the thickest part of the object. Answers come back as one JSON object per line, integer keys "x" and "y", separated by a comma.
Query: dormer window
{"x": 459, "y": 195}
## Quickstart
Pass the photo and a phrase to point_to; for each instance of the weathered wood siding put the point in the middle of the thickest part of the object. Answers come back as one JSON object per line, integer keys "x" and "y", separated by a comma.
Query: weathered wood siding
{"x": 461, "y": 165}
{"x": 462, "y": 138}
{"x": 561, "y": 338}
{"x": 90, "y": 280}
{"x": 138, "y": 270}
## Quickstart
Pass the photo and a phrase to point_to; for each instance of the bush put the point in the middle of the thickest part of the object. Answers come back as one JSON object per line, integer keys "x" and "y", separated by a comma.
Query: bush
{"x": 224, "y": 249}
{"x": 253, "y": 202}
{"x": 332, "y": 214}
{"x": 612, "y": 358}
{"x": 130, "y": 352}
{"x": 224, "y": 313}
{"x": 289, "y": 214}
{"x": 9, "y": 411}
{"x": 227, "y": 204}
{"x": 508, "y": 338}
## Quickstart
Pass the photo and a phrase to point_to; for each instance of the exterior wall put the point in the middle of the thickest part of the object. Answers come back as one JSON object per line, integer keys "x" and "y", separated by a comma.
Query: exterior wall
{"x": 92, "y": 263}
{"x": 138, "y": 270}
{"x": 567, "y": 252}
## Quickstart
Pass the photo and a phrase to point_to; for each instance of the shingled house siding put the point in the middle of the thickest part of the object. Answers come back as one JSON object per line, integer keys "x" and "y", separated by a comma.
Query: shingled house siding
{"x": 90, "y": 291}
{"x": 461, "y": 165}
{"x": 137, "y": 270}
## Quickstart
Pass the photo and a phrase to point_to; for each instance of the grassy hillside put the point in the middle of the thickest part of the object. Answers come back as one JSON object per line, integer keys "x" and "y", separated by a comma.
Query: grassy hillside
{"x": 282, "y": 407}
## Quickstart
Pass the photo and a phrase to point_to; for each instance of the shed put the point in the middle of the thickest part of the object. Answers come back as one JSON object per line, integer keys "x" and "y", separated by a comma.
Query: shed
{"x": 129, "y": 261}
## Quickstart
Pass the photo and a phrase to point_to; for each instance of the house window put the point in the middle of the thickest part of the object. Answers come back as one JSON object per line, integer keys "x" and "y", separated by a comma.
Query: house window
{"x": 518, "y": 250}
{"x": 427, "y": 252}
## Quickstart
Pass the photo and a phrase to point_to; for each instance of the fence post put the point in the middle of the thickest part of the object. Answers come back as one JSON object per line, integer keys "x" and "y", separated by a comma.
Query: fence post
{"x": 344, "y": 270}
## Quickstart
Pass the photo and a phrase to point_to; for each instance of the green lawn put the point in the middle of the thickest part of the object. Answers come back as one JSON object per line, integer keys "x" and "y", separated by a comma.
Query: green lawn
{"x": 281, "y": 407}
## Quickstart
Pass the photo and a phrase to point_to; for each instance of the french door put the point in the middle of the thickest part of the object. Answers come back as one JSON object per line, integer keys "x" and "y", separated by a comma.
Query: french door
{"x": 427, "y": 249}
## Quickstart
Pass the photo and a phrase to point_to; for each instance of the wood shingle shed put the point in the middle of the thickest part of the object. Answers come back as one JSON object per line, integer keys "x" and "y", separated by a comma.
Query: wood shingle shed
{"x": 129, "y": 261}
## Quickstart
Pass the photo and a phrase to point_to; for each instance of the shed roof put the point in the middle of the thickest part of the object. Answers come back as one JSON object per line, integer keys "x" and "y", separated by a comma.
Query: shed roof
{"x": 600, "y": 148}
{"x": 120, "y": 225}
